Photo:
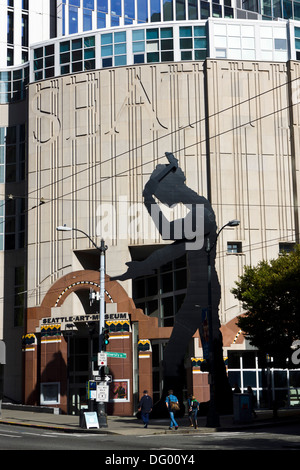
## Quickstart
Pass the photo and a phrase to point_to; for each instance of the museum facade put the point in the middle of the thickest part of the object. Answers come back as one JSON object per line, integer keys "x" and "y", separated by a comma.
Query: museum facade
{"x": 83, "y": 124}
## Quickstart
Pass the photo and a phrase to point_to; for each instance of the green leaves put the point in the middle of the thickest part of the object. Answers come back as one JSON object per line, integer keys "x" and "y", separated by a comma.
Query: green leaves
{"x": 270, "y": 296}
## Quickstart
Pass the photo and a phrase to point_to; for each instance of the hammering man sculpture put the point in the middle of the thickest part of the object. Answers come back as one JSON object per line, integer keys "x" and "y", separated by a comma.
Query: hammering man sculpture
{"x": 190, "y": 234}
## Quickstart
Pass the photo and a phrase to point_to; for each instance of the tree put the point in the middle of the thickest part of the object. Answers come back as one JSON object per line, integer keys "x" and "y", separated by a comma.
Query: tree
{"x": 270, "y": 295}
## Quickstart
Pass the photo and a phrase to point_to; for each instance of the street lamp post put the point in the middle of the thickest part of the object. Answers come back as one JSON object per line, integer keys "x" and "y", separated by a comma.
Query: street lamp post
{"x": 102, "y": 417}
{"x": 213, "y": 416}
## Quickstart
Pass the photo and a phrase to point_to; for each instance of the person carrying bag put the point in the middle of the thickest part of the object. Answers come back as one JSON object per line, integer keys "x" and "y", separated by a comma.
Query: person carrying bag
{"x": 172, "y": 405}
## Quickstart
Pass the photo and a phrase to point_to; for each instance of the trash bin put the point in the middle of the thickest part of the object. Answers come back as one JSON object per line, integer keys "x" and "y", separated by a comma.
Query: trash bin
{"x": 242, "y": 412}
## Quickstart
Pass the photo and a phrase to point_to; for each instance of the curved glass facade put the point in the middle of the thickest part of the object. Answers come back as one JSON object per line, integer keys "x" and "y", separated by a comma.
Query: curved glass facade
{"x": 120, "y": 46}
{"x": 166, "y": 42}
{"x": 13, "y": 83}
{"x": 86, "y": 15}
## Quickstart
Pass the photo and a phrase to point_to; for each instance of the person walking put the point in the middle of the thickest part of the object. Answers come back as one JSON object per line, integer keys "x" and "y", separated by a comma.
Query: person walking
{"x": 172, "y": 405}
{"x": 189, "y": 403}
{"x": 193, "y": 411}
{"x": 252, "y": 400}
{"x": 145, "y": 407}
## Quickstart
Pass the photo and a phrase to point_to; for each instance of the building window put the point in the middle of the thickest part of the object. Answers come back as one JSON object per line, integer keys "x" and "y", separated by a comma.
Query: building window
{"x": 234, "y": 247}
{"x": 142, "y": 11}
{"x": 205, "y": 10}
{"x": 89, "y": 4}
{"x": 14, "y": 224}
{"x": 129, "y": 11}
{"x": 50, "y": 393}
{"x": 159, "y": 45}
{"x": 286, "y": 247}
{"x": 73, "y": 20}
{"x": 13, "y": 85}
{"x": 193, "y": 43}
{"x": 19, "y": 296}
{"x": 113, "y": 49}
{"x": 268, "y": 381}
{"x": 192, "y": 9}
{"x": 101, "y": 20}
{"x": 10, "y": 56}
{"x": 25, "y": 30}
{"x": 168, "y": 10}
{"x": 10, "y": 27}
{"x": 297, "y": 42}
{"x": 155, "y": 15}
{"x": 102, "y": 6}
{"x": 87, "y": 20}
{"x": 77, "y": 55}
{"x": 162, "y": 295}
{"x": 2, "y": 155}
{"x": 116, "y": 7}
{"x": 180, "y": 10}
{"x": 280, "y": 44}
{"x": 2, "y": 224}
{"x": 43, "y": 63}
{"x": 12, "y": 154}
{"x": 10, "y": 224}
{"x": 138, "y": 46}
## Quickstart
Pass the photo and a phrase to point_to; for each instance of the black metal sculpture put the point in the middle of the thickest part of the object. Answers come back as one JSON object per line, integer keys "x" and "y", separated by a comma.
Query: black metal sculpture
{"x": 190, "y": 235}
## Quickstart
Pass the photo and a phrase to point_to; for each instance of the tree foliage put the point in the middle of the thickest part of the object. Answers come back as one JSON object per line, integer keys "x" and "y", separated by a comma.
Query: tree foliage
{"x": 270, "y": 295}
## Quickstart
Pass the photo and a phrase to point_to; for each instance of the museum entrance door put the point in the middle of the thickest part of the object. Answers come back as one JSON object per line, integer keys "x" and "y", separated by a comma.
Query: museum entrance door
{"x": 82, "y": 353}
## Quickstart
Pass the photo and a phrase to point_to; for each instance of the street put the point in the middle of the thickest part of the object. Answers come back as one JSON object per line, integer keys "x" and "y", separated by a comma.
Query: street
{"x": 24, "y": 438}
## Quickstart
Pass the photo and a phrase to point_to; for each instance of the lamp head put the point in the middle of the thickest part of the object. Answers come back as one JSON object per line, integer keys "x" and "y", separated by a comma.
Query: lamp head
{"x": 233, "y": 223}
{"x": 63, "y": 228}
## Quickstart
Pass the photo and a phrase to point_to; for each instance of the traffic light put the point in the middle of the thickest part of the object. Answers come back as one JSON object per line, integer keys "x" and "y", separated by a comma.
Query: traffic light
{"x": 106, "y": 337}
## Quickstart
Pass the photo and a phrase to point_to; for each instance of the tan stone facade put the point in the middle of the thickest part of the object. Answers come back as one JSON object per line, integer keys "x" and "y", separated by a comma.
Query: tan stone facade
{"x": 95, "y": 138}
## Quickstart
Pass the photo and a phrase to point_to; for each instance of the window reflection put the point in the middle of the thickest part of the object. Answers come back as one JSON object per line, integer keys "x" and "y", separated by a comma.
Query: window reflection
{"x": 142, "y": 11}
{"x": 116, "y": 7}
{"x": 102, "y": 6}
{"x": 168, "y": 10}
{"x": 129, "y": 10}
{"x": 73, "y": 19}
{"x": 193, "y": 9}
{"x": 155, "y": 10}
{"x": 180, "y": 10}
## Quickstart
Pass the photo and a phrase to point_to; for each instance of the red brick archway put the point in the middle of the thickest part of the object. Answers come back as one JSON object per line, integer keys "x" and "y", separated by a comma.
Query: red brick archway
{"x": 47, "y": 362}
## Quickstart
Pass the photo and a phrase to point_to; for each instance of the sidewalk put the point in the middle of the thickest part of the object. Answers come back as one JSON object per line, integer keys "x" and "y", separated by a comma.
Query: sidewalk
{"x": 133, "y": 426}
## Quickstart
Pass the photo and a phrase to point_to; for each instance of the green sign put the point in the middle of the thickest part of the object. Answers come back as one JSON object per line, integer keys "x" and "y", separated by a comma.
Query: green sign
{"x": 116, "y": 354}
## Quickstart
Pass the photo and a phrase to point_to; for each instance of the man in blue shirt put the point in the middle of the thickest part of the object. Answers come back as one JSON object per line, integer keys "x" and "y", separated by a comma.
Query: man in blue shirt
{"x": 172, "y": 401}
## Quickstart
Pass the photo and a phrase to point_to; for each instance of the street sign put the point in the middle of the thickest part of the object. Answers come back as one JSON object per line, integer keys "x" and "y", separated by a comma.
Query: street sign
{"x": 102, "y": 359}
{"x": 116, "y": 354}
{"x": 102, "y": 393}
{"x": 106, "y": 379}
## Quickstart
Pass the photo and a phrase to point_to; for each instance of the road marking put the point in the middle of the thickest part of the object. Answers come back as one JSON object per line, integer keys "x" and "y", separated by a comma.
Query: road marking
{"x": 8, "y": 435}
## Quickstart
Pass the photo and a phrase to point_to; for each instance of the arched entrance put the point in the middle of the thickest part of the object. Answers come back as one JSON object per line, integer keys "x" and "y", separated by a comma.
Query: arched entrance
{"x": 61, "y": 342}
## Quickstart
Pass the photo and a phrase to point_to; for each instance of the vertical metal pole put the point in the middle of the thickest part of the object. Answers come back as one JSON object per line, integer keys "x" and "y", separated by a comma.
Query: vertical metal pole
{"x": 103, "y": 248}
{"x": 102, "y": 417}
{"x": 212, "y": 416}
